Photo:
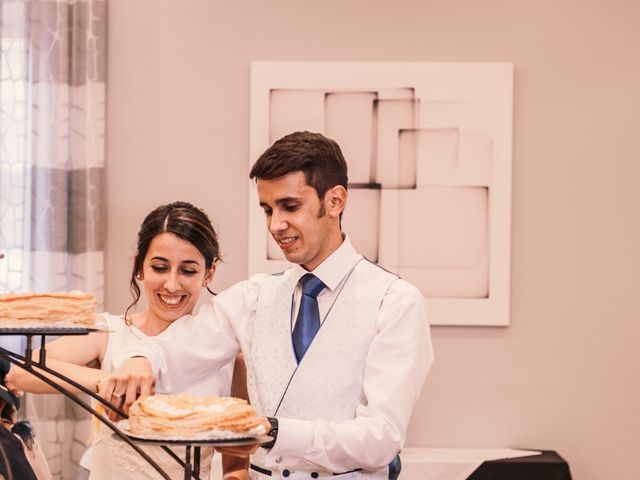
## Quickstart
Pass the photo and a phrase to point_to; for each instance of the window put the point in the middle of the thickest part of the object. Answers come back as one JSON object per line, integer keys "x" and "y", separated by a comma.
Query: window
{"x": 14, "y": 165}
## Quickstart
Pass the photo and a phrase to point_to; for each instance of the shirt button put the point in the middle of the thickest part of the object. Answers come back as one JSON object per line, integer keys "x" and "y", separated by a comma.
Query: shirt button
{"x": 285, "y": 473}
{"x": 279, "y": 459}
{"x": 314, "y": 474}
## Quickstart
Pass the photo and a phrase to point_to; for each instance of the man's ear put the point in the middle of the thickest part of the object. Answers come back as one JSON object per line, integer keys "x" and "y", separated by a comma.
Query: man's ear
{"x": 336, "y": 200}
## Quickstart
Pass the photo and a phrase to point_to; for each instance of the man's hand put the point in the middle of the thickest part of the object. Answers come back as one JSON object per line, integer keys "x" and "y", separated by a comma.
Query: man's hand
{"x": 243, "y": 451}
{"x": 122, "y": 387}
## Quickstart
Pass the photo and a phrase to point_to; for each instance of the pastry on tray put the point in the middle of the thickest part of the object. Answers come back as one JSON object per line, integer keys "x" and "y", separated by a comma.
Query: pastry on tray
{"x": 48, "y": 309}
{"x": 188, "y": 416}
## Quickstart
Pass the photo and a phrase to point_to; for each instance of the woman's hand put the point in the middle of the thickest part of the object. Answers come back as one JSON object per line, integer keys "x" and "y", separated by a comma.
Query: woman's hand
{"x": 122, "y": 387}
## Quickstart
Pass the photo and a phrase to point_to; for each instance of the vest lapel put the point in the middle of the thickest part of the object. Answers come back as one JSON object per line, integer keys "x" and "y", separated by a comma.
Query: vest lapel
{"x": 348, "y": 327}
{"x": 272, "y": 351}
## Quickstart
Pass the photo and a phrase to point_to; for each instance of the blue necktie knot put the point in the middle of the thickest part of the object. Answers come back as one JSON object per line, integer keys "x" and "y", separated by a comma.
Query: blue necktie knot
{"x": 311, "y": 285}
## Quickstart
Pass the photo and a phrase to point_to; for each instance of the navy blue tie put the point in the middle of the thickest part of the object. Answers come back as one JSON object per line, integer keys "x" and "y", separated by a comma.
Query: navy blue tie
{"x": 308, "y": 321}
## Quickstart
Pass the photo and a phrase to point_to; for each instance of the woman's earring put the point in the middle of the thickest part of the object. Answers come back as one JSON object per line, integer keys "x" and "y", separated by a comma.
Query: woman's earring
{"x": 138, "y": 276}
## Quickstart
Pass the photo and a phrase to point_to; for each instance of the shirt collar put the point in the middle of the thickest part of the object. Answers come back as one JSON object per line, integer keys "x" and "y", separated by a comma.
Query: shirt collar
{"x": 335, "y": 267}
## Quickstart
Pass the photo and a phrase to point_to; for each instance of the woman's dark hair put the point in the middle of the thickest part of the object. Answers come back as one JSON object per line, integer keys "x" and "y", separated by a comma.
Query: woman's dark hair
{"x": 185, "y": 221}
{"x": 318, "y": 157}
{"x": 23, "y": 429}
{"x": 7, "y": 411}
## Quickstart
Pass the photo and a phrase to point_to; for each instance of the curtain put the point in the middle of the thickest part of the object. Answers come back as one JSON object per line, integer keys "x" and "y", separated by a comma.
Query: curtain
{"x": 52, "y": 156}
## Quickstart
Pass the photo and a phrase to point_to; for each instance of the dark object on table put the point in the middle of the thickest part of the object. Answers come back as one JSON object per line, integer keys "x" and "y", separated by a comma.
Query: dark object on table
{"x": 548, "y": 466}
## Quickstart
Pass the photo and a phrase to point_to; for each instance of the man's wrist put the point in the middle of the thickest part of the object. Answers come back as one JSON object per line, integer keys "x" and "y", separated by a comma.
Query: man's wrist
{"x": 273, "y": 432}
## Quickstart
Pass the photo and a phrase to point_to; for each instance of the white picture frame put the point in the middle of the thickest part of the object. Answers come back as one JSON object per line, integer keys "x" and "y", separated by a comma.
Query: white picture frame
{"x": 429, "y": 149}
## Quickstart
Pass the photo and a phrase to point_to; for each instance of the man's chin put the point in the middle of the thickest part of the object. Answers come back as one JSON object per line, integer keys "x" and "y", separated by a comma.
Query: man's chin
{"x": 293, "y": 257}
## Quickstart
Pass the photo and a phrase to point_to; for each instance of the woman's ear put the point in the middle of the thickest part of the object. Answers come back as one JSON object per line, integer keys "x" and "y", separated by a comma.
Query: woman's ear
{"x": 138, "y": 274}
{"x": 209, "y": 275}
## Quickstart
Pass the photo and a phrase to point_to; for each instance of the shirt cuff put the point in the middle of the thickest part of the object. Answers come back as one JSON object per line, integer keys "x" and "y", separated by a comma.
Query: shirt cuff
{"x": 135, "y": 351}
{"x": 295, "y": 439}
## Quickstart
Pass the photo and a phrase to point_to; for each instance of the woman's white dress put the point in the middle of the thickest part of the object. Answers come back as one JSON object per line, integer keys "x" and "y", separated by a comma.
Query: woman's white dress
{"x": 111, "y": 458}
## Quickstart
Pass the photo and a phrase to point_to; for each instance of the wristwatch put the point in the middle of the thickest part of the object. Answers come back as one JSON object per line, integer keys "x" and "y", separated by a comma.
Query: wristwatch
{"x": 273, "y": 433}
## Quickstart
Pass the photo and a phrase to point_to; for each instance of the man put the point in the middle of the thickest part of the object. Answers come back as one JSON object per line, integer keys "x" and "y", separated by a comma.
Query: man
{"x": 336, "y": 359}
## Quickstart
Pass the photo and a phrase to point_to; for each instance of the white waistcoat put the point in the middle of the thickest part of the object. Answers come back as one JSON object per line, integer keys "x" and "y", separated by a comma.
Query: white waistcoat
{"x": 327, "y": 384}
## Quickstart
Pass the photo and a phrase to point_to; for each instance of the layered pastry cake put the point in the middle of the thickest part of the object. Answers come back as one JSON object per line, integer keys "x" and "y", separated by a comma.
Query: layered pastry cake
{"x": 50, "y": 309}
{"x": 188, "y": 416}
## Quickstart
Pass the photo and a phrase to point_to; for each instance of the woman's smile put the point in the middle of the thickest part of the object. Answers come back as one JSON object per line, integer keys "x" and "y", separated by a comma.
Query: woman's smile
{"x": 172, "y": 301}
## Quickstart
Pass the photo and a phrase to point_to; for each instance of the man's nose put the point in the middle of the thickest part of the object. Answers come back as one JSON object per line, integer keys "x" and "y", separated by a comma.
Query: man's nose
{"x": 277, "y": 223}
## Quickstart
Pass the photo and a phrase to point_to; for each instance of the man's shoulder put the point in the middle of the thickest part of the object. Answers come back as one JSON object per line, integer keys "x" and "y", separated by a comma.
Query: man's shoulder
{"x": 373, "y": 267}
{"x": 268, "y": 278}
{"x": 396, "y": 283}
{"x": 257, "y": 281}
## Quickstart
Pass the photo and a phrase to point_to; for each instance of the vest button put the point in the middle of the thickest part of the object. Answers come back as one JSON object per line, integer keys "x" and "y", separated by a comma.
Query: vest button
{"x": 285, "y": 473}
{"x": 314, "y": 474}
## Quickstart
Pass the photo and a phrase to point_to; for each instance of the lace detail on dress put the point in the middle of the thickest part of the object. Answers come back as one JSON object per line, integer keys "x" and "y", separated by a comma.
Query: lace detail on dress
{"x": 127, "y": 460}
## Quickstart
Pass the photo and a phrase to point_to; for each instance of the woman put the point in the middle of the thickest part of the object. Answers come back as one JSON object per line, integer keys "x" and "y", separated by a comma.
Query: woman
{"x": 20, "y": 455}
{"x": 176, "y": 258}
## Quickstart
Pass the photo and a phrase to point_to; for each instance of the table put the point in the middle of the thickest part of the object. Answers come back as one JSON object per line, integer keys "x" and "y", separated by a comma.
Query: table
{"x": 548, "y": 466}
{"x": 482, "y": 464}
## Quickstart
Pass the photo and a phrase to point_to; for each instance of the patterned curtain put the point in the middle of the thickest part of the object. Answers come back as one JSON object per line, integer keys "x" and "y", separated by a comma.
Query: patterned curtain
{"x": 52, "y": 134}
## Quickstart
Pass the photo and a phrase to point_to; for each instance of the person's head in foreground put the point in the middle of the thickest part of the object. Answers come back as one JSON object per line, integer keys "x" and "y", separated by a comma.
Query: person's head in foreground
{"x": 302, "y": 188}
{"x": 9, "y": 406}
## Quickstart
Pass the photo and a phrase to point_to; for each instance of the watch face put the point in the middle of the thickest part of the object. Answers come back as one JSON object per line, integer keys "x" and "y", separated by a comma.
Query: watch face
{"x": 273, "y": 432}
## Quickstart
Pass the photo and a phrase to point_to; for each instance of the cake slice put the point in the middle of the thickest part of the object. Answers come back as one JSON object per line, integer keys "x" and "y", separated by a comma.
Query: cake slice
{"x": 49, "y": 308}
{"x": 188, "y": 416}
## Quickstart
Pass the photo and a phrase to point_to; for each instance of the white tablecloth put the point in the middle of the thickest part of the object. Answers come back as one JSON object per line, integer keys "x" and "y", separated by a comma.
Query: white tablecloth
{"x": 450, "y": 463}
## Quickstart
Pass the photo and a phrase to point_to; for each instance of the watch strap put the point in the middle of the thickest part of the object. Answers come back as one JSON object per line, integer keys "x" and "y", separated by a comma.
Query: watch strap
{"x": 273, "y": 432}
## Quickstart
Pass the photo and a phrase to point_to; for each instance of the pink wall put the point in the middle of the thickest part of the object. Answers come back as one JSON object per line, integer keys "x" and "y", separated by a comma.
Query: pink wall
{"x": 561, "y": 376}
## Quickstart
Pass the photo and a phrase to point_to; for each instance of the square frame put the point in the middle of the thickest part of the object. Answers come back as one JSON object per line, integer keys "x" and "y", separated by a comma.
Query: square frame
{"x": 470, "y": 102}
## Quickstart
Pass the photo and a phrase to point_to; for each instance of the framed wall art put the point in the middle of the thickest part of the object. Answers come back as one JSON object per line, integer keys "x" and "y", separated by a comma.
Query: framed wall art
{"x": 429, "y": 147}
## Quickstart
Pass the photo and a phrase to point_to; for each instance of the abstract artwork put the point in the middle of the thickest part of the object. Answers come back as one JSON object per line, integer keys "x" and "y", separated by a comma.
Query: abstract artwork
{"x": 428, "y": 147}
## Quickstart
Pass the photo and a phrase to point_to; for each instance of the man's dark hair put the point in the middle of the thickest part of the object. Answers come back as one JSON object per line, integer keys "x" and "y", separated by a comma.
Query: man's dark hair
{"x": 318, "y": 157}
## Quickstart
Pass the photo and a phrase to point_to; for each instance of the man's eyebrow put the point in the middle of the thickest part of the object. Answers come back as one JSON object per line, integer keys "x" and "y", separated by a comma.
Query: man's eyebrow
{"x": 280, "y": 201}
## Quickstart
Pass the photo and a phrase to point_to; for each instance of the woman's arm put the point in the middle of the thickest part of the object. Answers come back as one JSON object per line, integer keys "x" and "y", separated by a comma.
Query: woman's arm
{"x": 22, "y": 380}
{"x": 68, "y": 356}
{"x": 236, "y": 468}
